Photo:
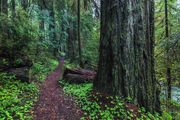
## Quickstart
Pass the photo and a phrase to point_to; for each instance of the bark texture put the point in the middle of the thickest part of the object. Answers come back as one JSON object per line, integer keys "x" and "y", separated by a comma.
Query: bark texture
{"x": 71, "y": 43}
{"x": 168, "y": 67}
{"x": 78, "y": 31}
{"x": 126, "y": 63}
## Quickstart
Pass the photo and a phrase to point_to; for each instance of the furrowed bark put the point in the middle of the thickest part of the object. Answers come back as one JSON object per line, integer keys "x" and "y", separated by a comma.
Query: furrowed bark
{"x": 126, "y": 64}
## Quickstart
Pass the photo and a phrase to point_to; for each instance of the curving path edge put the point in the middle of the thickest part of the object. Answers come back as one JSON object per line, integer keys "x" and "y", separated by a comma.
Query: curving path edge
{"x": 53, "y": 104}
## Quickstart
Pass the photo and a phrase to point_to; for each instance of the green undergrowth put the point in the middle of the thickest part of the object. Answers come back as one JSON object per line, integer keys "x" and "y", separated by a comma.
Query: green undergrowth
{"x": 41, "y": 69}
{"x": 16, "y": 98}
{"x": 171, "y": 107}
{"x": 70, "y": 65}
{"x": 96, "y": 106}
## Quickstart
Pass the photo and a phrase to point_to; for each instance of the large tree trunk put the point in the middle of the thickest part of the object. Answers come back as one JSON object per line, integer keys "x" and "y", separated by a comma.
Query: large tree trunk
{"x": 126, "y": 63}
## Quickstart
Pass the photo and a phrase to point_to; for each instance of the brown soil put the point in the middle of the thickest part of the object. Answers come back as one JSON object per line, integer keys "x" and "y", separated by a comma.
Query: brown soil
{"x": 53, "y": 104}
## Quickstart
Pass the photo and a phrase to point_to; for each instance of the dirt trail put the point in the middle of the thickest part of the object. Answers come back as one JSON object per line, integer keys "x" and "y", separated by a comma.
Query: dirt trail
{"x": 53, "y": 104}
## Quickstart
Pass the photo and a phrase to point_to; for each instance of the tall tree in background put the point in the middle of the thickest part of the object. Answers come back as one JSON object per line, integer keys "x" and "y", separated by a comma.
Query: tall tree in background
{"x": 126, "y": 63}
{"x": 24, "y": 4}
{"x": 42, "y": 6}
{"x": 168, "y": 69}
{"x": 167, "y": 45}
{"x": 72, "y": 43}
{"x": 75, "y": 38}
{"x": 52, "y": 25}
{"x": 4, "y": 8}
{"x": 13, "y": 9}
{"x": 49, "y": 5}
{"x": 79, "y": 30}
{"x": 0, "y": 6}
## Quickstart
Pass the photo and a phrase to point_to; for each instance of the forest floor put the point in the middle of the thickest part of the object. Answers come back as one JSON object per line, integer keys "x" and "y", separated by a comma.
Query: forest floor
{"x": 53, "y": 104}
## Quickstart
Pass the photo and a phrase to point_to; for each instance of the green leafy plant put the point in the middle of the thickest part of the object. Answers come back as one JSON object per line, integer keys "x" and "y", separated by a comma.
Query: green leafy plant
{"x": 41, "y": 69}
{"x": 96, "y": 106}
{"x": 16, "y": 98}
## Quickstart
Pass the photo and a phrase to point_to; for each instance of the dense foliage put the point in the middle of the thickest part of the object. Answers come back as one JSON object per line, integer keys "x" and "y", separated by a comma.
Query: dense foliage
{"x": 40, "y": 70}
{"x": 171, "y": 43}
{"x": 35, "y": 35}
{"x": 16, "y": 98}
{"x": 19, "y": 45}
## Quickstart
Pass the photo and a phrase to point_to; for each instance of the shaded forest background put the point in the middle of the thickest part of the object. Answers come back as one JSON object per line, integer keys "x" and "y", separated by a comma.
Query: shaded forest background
{"x": 35, "y": 33}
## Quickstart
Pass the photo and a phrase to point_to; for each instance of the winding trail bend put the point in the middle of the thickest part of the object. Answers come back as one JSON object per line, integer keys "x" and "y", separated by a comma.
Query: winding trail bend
{"x": 53, "y": 104}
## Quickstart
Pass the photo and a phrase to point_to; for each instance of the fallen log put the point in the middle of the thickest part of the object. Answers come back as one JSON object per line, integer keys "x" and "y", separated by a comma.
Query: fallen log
{"x": 79, "y": 71}
{"x": 79, "y": 75}
{"x": 76, "y": 78}
{"x": 21, "y": 73}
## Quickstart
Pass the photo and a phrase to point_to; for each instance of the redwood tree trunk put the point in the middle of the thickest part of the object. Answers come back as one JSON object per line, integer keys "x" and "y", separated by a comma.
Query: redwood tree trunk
{"x": 126, "y": 63}
{"x": 168, "y": 68}
{"x": 79, "y": 35}
{"x": 71, "y": 43}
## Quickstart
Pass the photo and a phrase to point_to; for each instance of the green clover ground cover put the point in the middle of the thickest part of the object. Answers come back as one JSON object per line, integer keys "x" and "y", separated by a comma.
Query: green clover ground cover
{"x": 96, "y": 106}
{"x": 16, "y": 98}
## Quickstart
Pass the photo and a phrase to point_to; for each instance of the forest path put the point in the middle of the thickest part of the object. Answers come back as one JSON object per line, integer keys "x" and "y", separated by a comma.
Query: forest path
{"x": 53, "y": 104}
